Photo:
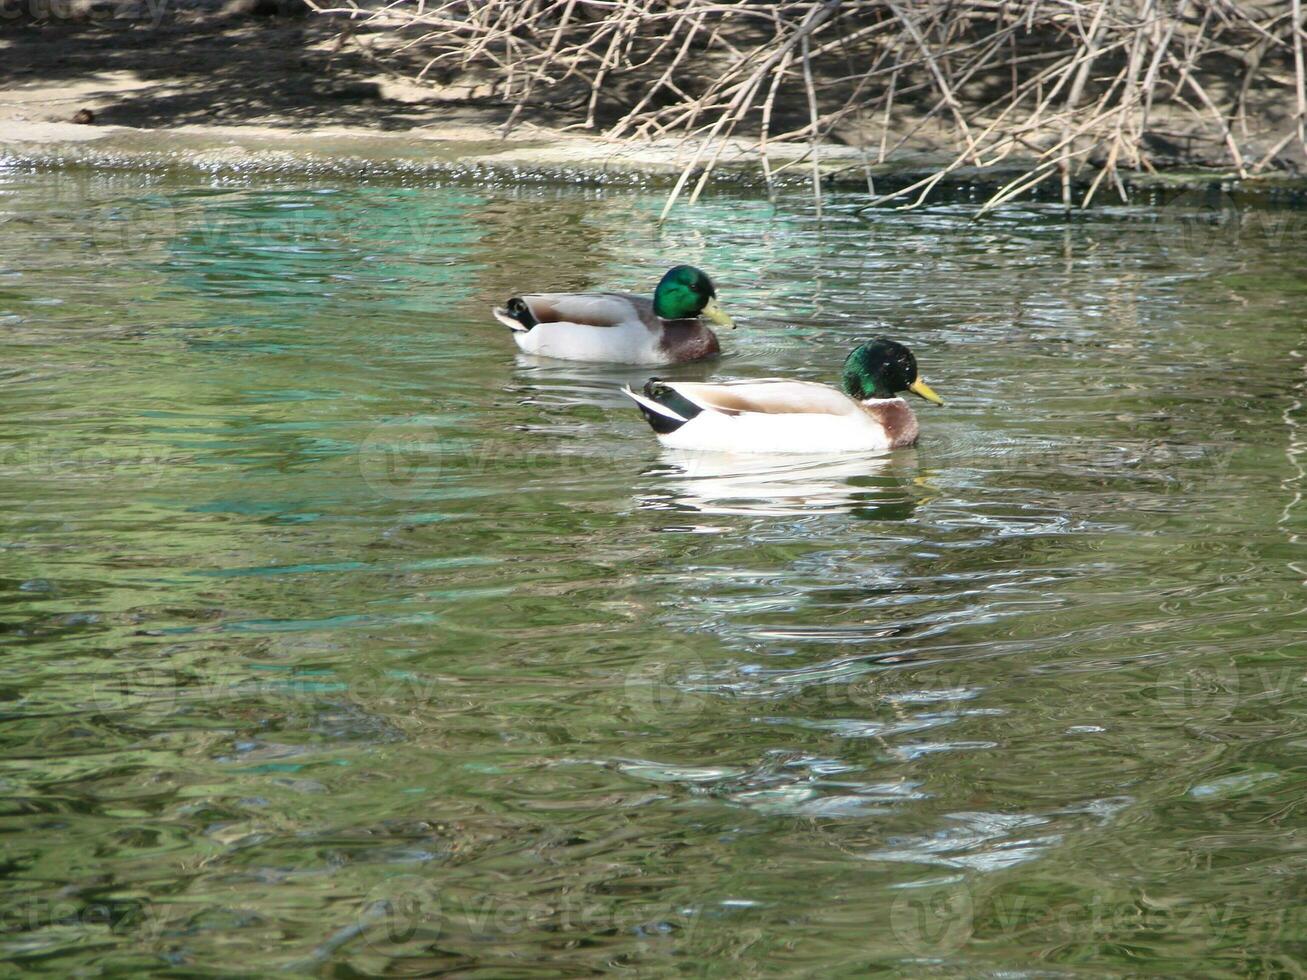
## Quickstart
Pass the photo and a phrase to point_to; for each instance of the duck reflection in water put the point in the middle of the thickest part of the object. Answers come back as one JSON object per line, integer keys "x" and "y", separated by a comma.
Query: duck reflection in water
{"x": 885, "y": 487}
{"x": 549, "y": 381}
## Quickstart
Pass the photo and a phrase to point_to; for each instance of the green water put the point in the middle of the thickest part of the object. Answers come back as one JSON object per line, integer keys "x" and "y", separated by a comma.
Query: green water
{"x": 341, "y": 639}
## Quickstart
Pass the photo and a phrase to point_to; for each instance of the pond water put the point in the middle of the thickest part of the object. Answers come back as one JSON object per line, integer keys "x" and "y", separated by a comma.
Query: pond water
{"x": 341, "y": 639}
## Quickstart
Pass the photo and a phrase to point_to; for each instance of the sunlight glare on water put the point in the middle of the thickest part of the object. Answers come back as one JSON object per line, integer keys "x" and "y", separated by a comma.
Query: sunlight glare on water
{"x": 342, "y": 638}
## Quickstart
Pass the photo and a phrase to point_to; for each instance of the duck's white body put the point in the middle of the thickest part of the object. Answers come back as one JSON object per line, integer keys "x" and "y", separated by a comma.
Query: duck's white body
{"x": 613, "y": 327}
{"x": 775, "y": 416}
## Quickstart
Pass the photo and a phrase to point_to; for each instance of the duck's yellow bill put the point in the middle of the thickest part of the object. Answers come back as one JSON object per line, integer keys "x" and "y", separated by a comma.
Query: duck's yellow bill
{"x": 713, "y": 313}
{"x": 920, "y": 387}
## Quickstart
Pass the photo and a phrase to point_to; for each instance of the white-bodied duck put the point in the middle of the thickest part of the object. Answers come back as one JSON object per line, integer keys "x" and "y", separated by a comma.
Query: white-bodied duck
{"x": 621, "y": 328}
{"x": 774, "y": 415}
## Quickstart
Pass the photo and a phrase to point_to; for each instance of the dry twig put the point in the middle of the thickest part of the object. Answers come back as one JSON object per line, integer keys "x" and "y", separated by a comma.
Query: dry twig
{"x": 1058, "y": 83}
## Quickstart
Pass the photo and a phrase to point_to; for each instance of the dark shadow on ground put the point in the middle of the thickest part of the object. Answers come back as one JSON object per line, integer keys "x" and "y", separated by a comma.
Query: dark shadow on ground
{"x": 212, "y": 70}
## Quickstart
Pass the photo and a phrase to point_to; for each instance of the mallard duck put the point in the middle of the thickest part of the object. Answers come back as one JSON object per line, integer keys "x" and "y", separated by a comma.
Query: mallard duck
{"x": 618, "y": 327}
{"x": 778, "y": 416}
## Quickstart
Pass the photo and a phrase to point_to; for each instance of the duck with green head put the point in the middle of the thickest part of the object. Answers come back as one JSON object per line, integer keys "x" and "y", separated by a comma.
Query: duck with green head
{"x": 779, "y": 416}
{"x": 621, "y": 328}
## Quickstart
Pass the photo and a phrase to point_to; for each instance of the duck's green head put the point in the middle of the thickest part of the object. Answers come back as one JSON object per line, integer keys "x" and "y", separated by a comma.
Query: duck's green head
{"x": 881, "y": 368}
{"x": 686, "y": 293}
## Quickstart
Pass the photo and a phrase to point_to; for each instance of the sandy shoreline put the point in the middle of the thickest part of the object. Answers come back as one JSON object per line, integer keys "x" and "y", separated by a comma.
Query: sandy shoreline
{"x": 463, "y": 150}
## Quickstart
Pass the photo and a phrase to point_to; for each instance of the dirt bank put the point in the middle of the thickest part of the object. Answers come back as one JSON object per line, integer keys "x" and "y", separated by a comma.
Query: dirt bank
{"x": 214, "y": 91}
{"x": 247, "y": 87}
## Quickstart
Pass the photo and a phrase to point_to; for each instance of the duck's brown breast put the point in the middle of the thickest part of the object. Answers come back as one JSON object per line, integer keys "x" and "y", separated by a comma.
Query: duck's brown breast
{"x": 896, "y": 418}
{"x": 688, "y": 340}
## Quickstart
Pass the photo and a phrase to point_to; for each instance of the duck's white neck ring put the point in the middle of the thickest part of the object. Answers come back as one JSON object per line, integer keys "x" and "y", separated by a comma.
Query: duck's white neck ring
{"x": 882, "y": 401}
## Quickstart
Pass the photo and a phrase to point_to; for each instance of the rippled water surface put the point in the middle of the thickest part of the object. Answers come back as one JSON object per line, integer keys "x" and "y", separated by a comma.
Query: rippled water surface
{"x": 342, "y": 639}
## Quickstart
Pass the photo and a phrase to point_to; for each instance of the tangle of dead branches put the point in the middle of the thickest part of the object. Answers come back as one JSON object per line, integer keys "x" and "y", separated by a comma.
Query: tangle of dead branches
{"x": 1064, "y": 87}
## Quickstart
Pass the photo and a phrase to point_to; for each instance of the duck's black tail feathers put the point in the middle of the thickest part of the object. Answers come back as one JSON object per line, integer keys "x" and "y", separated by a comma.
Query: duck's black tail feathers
{"x": 664, "y": 408}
